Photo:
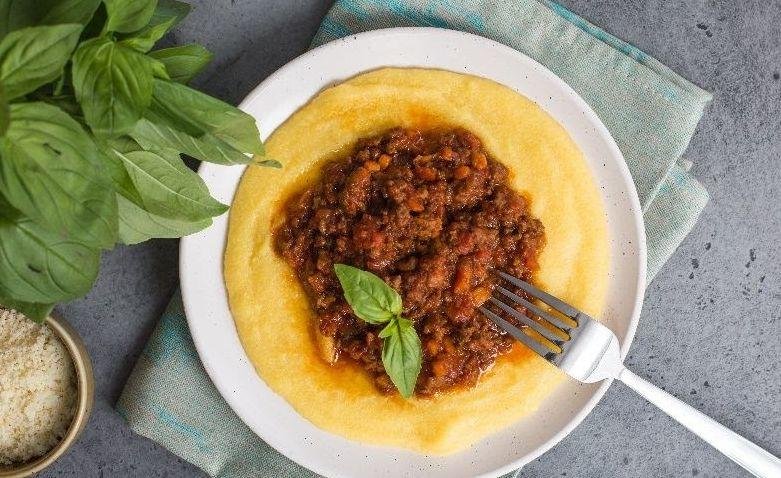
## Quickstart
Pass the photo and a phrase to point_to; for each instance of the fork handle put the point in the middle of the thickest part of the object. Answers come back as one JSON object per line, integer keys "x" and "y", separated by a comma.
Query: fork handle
{"x": 756, "y": 460}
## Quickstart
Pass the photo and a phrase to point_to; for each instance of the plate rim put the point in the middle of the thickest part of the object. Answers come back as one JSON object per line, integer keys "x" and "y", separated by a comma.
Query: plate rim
{"x": 603, "y": 132}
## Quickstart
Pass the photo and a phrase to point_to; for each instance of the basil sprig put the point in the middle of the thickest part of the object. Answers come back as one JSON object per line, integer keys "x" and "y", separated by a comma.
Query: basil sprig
{"x": 93, "y": 123}
{"x": 375, "y": 302}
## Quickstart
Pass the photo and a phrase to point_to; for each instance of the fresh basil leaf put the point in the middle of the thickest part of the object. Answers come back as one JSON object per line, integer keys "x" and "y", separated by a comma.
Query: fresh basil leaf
{"x": 207, "y": 148}
{"x": 113, "y": 85}
{"x": 51, "y": 172}
{"x": 160, "y": 116}
{"x": 167, "y": 14}
{"x": 196, "y": 113}
{"x": 138, "y": 225}
{"x": 401, "y": 354}
{"x": 168, "y": 188}
{"x": 126, "y": 16}
{"x": 123, "y": 144}
{"x": 183, "y": 62}
{"x": 153, "y": 136}
{"x": 158, "y": 68}
{"x": 34, "y": 56}
{"x": 371, "y": 299}
{"x": 37, "y": 265}
{"x": 16, "y": 14}
{"x": 5, "y": 113}
{"x": 36, "y": 312}
{"x": 67, "y": 11}
{"x": 115, "y": 167}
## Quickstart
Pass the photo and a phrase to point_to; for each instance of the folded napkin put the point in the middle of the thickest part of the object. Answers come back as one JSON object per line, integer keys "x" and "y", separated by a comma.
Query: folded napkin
{"x": 650, "y": 111}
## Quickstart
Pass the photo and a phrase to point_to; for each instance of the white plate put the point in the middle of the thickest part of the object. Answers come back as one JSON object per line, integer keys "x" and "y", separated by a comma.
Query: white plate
{"x": 273, "y": 101}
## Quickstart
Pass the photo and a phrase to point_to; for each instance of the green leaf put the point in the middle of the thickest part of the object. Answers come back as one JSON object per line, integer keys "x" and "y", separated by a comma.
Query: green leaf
{"x": 5, "y": 113}
{"x": 168, "y": 188}
{"x": 36, "y": 312}
{"x": 376, "y": 302}
{"x": 196, "y": 113}
{"x": 401, "y": 354}
{"x": 370, "y": 297}
{"x": 67, "y": 11}
{"x": 167, "y": 14}
{"x": 51, "y": 172}
{"x": 158, "y": 68}
{"x": 137, "y": 225}
{"x": 115, "y": 167}
{"x": 128, "y": 15}
{"x": 113, "y": 85}
{"x": 34, "y": 56}
{"x": 38, "y": 265}
{"x": 205, "y": 148}
{"x": 16, "y": 14}
{"x": 183, "y": 62}
{"x": 123, "y": 144}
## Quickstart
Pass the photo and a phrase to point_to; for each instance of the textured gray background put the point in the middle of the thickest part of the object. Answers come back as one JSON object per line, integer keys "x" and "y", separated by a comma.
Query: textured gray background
{"x": 710, "y": 332}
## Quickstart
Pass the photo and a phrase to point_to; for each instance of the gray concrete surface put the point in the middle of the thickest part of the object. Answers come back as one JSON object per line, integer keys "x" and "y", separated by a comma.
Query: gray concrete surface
{"x": 710, "y": 332}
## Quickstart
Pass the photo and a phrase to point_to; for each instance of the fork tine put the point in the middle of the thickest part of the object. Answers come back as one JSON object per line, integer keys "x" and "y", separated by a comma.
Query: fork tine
{"x": 544, "y": 331}
{"x": 557, "y": 304}
{"x": 558, "y": 322}
{"x": 537, "y": 347}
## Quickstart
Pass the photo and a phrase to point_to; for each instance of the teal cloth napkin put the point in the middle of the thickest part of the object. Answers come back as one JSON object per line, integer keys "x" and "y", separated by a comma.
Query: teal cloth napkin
{"x": 650, "y": 111}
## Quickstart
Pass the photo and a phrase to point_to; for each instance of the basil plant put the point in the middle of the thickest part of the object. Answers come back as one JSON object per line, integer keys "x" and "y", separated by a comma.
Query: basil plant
{"x": 93, "y": 125}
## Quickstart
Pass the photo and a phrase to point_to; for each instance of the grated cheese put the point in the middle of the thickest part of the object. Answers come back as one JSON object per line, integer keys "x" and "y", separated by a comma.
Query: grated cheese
{"x": 37, "y": 388}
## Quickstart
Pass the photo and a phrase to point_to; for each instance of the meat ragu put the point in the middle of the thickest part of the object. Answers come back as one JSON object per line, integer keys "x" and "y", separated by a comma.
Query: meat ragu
{"x": 431, "y": 214}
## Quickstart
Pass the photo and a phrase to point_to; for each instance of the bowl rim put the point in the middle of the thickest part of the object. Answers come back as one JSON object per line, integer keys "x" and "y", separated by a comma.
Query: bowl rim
{"x": 200, "y": 322}
{"x": 85, "y": 385}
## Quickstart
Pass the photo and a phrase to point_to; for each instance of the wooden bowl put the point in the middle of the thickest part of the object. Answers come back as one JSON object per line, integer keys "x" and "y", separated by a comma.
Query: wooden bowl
{"x": 86, "y": 395}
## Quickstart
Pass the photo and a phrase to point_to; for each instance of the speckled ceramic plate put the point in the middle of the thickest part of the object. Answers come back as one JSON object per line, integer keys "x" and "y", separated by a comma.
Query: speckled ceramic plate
{"x": 272, "y": 102}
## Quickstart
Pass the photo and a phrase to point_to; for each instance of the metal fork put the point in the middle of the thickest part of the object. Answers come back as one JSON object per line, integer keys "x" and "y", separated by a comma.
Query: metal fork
{"x": 588, "y": 351}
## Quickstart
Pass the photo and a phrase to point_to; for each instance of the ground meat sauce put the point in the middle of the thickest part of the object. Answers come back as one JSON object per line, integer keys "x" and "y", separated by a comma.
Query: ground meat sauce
{"x": 431, "y": 214}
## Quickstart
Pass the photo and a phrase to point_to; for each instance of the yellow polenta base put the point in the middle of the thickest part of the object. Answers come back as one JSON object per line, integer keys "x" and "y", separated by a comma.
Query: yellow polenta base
{"x": 271, "y": 311}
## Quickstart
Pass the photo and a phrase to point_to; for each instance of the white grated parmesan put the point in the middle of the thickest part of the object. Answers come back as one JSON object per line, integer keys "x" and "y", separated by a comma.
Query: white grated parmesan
{"x": 37, "y": 388}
